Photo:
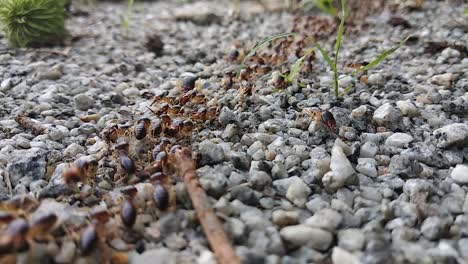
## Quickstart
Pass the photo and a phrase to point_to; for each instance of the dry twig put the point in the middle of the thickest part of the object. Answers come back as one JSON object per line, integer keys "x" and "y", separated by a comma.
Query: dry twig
{"x": 28, "y": 123}
{"x": 212, "y": 227}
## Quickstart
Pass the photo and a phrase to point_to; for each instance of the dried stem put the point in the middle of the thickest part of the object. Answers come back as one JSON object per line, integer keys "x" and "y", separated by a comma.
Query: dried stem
{"x": 212, "y": 227}
{"x": 28, "y": 123}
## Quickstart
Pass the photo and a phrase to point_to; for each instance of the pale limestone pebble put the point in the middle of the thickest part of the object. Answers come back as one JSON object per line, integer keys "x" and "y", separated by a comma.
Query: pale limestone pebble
{"x": 387, "y": 116}
{"x": 284, "y": 218}
{"x": 460, "y": 174}
{"x": 456, "y": 133}
{"x": 327, "y": 219}
{"x": 303, "y": 235}
{"x": 341, "y": 169}
{"x": 298, "y": 192}
{"x": 399, "y": 140}
{"x": 444, "y": 80}
{"x": 367, "y": 166}
{"x": 340, "y": 255}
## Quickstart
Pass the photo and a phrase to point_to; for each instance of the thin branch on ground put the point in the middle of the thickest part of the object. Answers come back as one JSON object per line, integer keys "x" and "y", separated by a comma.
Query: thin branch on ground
{"x": 211, "y": 225}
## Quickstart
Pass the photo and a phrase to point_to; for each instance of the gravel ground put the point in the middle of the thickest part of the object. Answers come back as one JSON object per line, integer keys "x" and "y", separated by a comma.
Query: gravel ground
{"x": 390, "y": 187}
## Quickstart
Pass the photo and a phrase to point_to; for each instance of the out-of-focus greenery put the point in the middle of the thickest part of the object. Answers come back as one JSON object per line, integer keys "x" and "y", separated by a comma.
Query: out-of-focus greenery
{"x": 326, "y": 6}
{"x": 33, "y": 22}
{"x": 128, "y": 16}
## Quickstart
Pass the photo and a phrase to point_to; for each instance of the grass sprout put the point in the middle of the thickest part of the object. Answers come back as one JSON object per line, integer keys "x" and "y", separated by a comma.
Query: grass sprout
{"x": 339, "y": 39}
{"x": 126, "y": 20}
{"x": 297, "y": 66}
{"x": 326, "y": 6}
{"x": 332, "y": 63}
{"x": 33, "y": 22}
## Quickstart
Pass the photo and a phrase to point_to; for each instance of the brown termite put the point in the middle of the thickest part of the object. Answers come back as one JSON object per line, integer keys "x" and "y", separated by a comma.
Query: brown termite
{"x": 166, "y": 120}
{"x": 89, "y": 239}
{"x": 80, "y": 171}
{"x": 156, "y": 128}
{"x": 128, "y": 213}
{"x": 126, "y": 163}
{"x": 42, "y": 225}
{"x": 188, "y": 83}
{"x": 186, "y": 97}
{"x": 187, "y": 127}
{"x": 160, "y": 193}
{"x": 173, "y": 129}
{"x": 324, "y": 117}
{"x": 175, "y": 110}
{"x": 14, "y": 237}
{"x": 227, "y": 81}
{"x": 199, "y": 115}
{"x": 141, "y": 128}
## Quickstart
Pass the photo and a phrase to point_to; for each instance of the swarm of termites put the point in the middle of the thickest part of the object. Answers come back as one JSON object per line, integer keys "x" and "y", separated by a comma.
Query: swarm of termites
{"x": 140, "y": 148}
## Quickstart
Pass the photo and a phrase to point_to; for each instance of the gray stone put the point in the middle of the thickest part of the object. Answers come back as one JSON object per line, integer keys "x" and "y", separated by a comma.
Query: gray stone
{"x": 376, "y": 79}
{"x": 434, "y": 227}
{"x": 387, "y": 116}
{"x": 297, "y": 192}
{"x": 407, "y": 108}
{"x": 316, "y": 204}
{"x": 227, "y": 116}
{"x": 22, "y": 142}
{"x": 257, "y": 145}
{"x": 302, "y": 235}
{"x": 368, "y": 150}
{"x": 406, "y": 166}
{"x": 351, "y": 239}
{"x": 30, "y": 163}
{"x": 83, "y": 102}
{"x": 278, "y": 171}
{"x": 284, "y": 218}
{"x": 445, "y": 80}
{"x": 463, "y": 247}
{"x": 320, "y": 160}
{"x": 213, "y": 180}
{"x": 240, "y": 160}
{"x": 259, "y": 179}
{"x": 156, "y": 256}
{"x": 211, "y": 153}
{"x": 399, "y": 140}
{"x": 327, "y": 219}
{"x": 460, "y": 174}
{"x": 254, "y": 219}
{"x": 452, "y": 134}
{"x": 73, "y": 150}
{"x": 244, "y": 194}
{"x": 281, "y": 186}
{"x": 341, "y": 169}
{"x": 37, "y": 186}
{"x": 367, "y": 166}
{"x": 340, "y": 255}
{"x": 230, "y": 131}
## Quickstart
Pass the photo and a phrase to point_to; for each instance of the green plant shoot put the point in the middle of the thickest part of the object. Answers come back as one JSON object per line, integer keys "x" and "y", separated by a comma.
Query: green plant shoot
{"x": 128, "y": 16}
{"x": 33, "y": 22}
{"x": 339, "y": 39}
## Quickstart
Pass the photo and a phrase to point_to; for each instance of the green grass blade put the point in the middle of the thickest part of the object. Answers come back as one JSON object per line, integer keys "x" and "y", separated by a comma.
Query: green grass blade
{"x": 339, "y": 37}
{"x": 297, "y": 66}
{"x": 326, "y": 57}
{"x": 326, "y": 6}
{"x": 259, "y": 45}
{"x": 381, "y": 57}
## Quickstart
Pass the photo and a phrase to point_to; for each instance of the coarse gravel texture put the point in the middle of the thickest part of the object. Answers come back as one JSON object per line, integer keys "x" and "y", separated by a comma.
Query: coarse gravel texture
{"x": 391, "y": 188}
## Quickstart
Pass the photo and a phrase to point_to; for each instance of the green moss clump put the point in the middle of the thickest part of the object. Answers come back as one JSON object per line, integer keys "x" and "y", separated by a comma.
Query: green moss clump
{"x": 33, "y": 22}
